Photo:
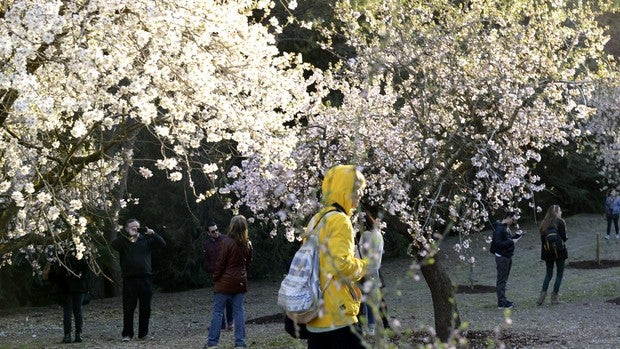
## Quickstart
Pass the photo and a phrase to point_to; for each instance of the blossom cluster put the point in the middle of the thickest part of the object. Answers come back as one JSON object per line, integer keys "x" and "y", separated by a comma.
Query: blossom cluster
{"x": 446, "y": 109}
{"x": 82, "y": 81}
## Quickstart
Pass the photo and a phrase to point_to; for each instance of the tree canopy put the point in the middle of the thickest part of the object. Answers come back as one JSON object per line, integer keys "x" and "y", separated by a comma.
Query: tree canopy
{"x": 79, "y": 79}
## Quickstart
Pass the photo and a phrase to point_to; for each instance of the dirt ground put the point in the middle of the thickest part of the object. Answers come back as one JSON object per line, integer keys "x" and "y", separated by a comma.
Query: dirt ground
{"x": 588, "y": 317}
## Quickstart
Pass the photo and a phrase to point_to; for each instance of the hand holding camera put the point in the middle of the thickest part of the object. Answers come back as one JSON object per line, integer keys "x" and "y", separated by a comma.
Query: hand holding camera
{"x": 145, "y": 231}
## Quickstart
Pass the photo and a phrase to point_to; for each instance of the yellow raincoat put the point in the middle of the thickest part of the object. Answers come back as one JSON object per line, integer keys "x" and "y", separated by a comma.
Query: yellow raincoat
{"x": 339, "y": 269}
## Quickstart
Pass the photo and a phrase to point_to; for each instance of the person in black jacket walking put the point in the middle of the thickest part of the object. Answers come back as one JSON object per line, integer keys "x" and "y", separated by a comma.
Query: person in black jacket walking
{"x": 556, "y": 255}
{"x": 503, "y": 247}
{"x": 134, "y": 250}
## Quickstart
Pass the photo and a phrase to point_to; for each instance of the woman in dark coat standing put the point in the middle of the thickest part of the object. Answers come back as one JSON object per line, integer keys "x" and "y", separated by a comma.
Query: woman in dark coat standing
{"x": 69, "y": 276}
{"x": 553, "y": 218}
{"x": 231, "y": 281}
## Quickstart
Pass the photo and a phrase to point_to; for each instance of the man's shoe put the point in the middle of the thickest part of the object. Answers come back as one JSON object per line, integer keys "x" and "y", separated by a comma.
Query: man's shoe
{"x": 67, "y": 338}
{"x": 144, "y": 338}
{"x": 506, "y": 305}
{"x": 607, "y": 237}
{"x": 78, "y": 337}
{"x": 229, "y": 326}
{"x": 126, "y": 339}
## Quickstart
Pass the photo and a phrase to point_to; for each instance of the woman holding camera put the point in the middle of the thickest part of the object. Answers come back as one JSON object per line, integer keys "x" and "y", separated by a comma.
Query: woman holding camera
{"x": 134, "y": 251}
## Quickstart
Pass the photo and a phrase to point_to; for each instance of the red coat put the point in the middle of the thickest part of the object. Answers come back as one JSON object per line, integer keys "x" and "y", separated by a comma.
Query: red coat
{"x": 230, "y": 274}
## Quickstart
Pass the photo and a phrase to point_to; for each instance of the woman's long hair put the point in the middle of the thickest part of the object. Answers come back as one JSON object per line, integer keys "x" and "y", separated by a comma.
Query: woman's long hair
{"x": 238, "y": 230}
{"x": 553, "y": 214}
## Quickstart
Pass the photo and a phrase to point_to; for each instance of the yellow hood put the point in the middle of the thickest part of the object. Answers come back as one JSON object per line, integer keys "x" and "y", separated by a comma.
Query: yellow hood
{"x": 341, "y": 185}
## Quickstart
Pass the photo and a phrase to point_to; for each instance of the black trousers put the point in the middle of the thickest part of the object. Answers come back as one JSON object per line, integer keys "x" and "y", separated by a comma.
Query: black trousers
{"x": 503, "y": 265}
{"x": 342, "y": 338}
{"x": 137, "y": 290}
{"x": 72, "y": 305}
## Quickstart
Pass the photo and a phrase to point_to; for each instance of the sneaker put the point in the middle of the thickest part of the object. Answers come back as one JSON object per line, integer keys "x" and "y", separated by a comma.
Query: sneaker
{"x": 210, "y": 347}
{"x": 371, "y": 330}
{"x": 617, "y": 236}
{"x": 126, "y": 339}
{"x": 506, "y": 305}
{"x": 606, "y": 237}
{"x": 143, "y": 338}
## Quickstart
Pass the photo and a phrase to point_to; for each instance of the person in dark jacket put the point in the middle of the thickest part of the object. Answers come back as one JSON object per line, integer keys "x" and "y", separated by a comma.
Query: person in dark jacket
{"x": 69, "y": 277}
{"x": 503, "y": 247}
{"x": 134, "y": 251}
{"x": 553, "y": 218}
{"x": 612, "y": 212}
{"x": 231, "y": 281}
{"x": 212, "y": 248}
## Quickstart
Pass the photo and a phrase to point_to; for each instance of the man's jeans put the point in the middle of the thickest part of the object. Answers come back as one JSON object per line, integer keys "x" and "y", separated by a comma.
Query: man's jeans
{"x": 503, "y": 265}
{"x": 219, "y": 303}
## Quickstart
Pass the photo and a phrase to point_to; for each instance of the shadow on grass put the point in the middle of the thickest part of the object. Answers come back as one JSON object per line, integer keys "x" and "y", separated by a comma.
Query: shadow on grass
{"x": 473, "y": 289}
{"x": 487, "y": 339}
{"x": 602, "y": 264}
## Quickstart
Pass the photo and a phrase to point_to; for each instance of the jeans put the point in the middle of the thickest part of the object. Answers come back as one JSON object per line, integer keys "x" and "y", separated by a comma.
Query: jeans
{"x": 612, "y": 218}
{"x": 503, "y": 265}
{"x": 368, "y": 313}
{"x": 72, "y": 305}
{"x": 558, "y": 278}
{"x": 228, "y": 319}
{"x": 342, "y": 338}
{"x": 219, "y": 303}
{"x": 138, "y": 289}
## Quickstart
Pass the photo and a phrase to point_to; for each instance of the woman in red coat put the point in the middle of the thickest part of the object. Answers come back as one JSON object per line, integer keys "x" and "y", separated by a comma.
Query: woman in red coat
{"x": 231, "y": 281}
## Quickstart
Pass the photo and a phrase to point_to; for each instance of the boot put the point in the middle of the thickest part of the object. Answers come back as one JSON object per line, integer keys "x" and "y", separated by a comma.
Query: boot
{"x": 541, "y": 298}
{"x": 67, "y": 338}
{"x": 554, "y": 298}
{"x": 78, "y": 337}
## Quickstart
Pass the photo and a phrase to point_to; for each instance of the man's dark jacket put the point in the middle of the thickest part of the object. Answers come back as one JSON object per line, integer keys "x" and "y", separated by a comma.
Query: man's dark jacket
{"x": 136, "y": 256}
{"x": 502, "y": 243}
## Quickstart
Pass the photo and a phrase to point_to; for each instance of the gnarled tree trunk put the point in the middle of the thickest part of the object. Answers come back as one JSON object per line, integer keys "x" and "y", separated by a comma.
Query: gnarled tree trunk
{"x": 447, "y": 318}
{"x": 445, "y": 309}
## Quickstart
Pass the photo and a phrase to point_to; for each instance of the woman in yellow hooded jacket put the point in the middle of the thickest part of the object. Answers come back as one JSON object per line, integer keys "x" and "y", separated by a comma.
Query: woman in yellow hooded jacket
{"x": 342, "y": 188}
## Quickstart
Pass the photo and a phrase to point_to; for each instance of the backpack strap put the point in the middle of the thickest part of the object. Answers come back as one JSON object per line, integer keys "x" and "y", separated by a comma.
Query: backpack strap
{"x": 318, "y": 252}
{"x": 311, "y": 231}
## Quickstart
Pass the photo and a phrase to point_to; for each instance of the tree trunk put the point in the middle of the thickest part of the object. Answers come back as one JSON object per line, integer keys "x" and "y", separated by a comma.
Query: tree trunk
{"x": 445, "y": 309}
{"x": 447, "y": 317}
{"x": 109, "y": 284}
